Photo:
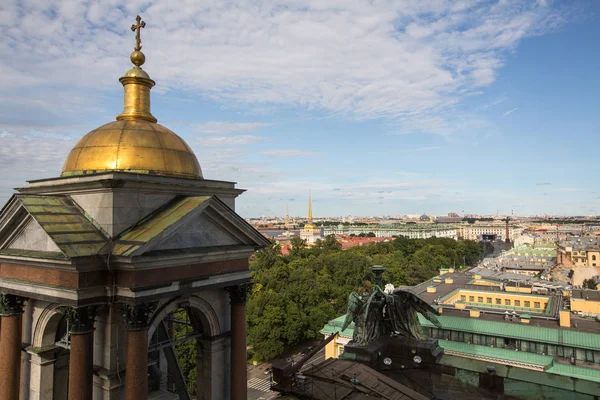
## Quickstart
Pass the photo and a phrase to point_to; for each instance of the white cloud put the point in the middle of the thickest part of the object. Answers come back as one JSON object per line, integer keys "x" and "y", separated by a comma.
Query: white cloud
{"x": 237, "y": 140}
{"x": 509, "y": 112}
{"x": 226, "y": 127}
{"x": 282, "y": 153}
{"x": 364, "y": 59}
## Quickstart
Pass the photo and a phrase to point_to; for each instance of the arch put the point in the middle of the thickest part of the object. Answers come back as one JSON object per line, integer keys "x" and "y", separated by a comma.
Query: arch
{"x": 207, "y": 315}
{"x": 47, "y": 326}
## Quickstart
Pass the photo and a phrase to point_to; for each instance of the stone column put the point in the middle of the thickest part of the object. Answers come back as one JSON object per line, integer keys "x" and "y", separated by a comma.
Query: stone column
{"x": 11, "y": 309}
{"x": 239, "y": 365}
{"x": 81, "y": 357}
{"x": 42, "y": 367}
{"x": 211, "y": 355}
{"x": 137, "y": 319}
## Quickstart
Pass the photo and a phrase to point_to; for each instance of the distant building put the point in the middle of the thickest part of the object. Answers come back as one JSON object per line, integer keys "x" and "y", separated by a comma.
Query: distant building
{"x": 580, "y": 254}
{"x": 411, "y": 231}
{"x": 311, "y": 233}
{"x": 489, "y": 232}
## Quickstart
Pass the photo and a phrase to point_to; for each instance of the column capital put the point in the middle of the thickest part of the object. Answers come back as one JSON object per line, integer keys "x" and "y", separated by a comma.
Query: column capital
{"x": 239, "y": 293}
{"x": 11, "y": 304}
{"x": 138, "y": 316}
{"x": 81, "y": 319}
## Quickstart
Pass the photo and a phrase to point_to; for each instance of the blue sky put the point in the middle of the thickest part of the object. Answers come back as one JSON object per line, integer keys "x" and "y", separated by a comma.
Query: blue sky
{"x": 380, "y": 108}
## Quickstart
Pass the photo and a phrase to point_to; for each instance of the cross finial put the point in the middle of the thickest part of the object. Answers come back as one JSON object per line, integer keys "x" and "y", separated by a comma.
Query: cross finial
{"x": 136, "y": 28}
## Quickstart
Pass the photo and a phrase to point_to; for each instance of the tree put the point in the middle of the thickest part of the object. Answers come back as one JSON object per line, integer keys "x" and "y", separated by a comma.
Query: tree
{"x": 295, "y": 295}
{"x": 298, "y": 245}
{"x": 590, "y": 284}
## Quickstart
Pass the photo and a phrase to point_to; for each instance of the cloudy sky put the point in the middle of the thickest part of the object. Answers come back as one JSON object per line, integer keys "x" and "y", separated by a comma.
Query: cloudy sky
{"x": 379, "y": 107}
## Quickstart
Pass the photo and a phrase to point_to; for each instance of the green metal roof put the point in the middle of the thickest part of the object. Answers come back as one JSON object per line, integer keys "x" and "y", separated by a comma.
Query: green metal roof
{"x": 574, "y": 371}
{"x": 495, "y": 352}
{"x": 562, "y": 337}
{"x": 335, "y": 325}
{"x": 66, "y": 224}
{"x": 153, "y": 225}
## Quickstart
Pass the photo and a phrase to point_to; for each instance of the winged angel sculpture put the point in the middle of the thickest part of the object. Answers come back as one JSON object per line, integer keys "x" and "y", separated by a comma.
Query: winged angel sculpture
{"x": 392, "y": 312}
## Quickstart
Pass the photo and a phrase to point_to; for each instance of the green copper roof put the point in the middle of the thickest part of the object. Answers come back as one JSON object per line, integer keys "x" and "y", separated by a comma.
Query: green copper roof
{"x": 575, "y": 372}
{"x": 495, "y": 352}
{"x": 518, "y": 331}
{"x": 66, "y": 224}
{"x": 335, "y": 325}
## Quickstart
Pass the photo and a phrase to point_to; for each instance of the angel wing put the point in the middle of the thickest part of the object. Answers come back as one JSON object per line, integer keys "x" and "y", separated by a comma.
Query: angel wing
{"x": 355, "y": 303}
{"x": 402, "y": 308}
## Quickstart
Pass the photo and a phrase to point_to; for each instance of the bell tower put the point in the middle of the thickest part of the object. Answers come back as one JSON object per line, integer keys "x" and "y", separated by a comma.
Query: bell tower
{"x": 131, "y": 252}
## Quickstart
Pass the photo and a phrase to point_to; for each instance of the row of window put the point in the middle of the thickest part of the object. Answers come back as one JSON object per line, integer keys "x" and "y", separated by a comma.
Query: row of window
{"x": 507, "y": 302}
{"x": 582, "y": 253}
{"x": 591, "y": 356}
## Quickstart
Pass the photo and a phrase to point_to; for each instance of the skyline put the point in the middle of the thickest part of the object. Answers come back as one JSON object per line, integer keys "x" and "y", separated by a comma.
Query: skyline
{"x": 383, "y": 109}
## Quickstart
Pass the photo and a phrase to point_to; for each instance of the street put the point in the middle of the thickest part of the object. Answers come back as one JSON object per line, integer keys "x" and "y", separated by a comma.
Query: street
{"x": 259, "y": 382}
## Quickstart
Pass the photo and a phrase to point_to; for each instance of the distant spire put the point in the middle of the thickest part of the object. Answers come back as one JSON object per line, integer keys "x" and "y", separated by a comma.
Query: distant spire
{"x": 310, "y": 217}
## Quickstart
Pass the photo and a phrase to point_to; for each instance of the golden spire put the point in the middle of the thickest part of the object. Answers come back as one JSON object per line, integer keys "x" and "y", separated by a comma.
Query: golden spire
{"x": 310, "y": 217}
{"x": 137, "y": 82}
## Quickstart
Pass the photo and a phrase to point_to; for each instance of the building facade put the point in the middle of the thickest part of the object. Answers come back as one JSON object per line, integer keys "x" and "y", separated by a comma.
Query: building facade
{"x": 411, "y": 231}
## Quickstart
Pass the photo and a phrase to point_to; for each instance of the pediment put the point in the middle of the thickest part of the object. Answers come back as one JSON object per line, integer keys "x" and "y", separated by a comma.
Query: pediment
{"x": 33, "y": 237}
{"x": 189, "y": 223}
{"x": 201, "y": 231}
{"x": 40, "y": 226}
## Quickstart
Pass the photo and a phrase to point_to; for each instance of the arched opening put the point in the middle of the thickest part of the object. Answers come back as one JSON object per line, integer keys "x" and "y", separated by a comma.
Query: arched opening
{"x": 180, "y": 348}
{"x": 172, "y": 353}
{"x": 50, "y": 365}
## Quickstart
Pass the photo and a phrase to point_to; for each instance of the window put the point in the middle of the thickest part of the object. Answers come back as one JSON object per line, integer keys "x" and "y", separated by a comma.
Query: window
{"x": 507, "y": 302}
{"x": 545, "y": 305}
{"x": 340, "y": 350}
{"x": 527, "y": 304}
{"x": 489, "y": 300}
{"x": 463, "y": 298}
{"x": 517, "y": 303}
{"x": 536, "y": 304}
{"x": 480, "y": 299}
{"x": 498, "y": 301}
{"x": 471, "y": 298}
{"x": 594, "y": 258}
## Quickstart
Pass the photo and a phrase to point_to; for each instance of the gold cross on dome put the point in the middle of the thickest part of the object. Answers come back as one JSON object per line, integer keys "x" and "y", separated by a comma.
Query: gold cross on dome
{"x": 136, "y": 28}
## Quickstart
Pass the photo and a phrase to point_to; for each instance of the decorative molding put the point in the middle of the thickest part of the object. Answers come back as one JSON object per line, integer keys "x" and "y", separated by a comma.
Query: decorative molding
{"x": 137, "y": 317}
{"x": 239, "y": 293}
{"x": 11, "y": 304}
{"x": 81, "y": 319}
{"x": 517, "y": 364}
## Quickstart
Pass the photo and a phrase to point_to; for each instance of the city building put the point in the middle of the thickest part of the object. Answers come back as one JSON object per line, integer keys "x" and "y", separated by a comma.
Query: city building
{"x": 94, "y": 264}
{"x": 480, "y": 231}
{"x": 532, "y": 342}
{"x": 411, "y": 231}
{"x": 580, "y": 255}
{"x": 311, "y": 232}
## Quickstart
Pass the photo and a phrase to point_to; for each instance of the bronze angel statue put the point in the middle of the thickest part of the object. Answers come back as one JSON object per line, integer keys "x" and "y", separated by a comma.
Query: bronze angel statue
{"x": 392, "y": 312}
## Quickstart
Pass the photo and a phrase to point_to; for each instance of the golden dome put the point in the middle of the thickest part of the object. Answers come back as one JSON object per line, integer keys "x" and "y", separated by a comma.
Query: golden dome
{"x": 133, "y": 146}
{"x": 134, "y": 142}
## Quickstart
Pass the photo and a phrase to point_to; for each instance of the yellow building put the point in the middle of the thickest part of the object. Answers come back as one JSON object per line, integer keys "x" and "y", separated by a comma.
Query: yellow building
{"x": 335, "y": 348}
{"x": 586, "y": 302}
{"x": 580, "y": 252}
